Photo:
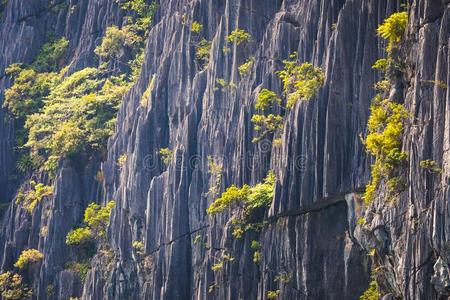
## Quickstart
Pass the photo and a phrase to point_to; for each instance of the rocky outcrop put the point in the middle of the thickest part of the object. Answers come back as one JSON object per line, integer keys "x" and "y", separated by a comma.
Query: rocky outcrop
{"x": 312, "y": 245}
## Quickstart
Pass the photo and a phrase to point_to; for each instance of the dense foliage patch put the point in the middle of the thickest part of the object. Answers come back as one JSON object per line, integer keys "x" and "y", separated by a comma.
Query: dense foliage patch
{"x": 243, "y": 201}
{"x": 393, "y": 29}
{"x": 96, "y": 222}
{"x": 27, "y": 257}
{"x": 301, "y": 81}
{"x": 385, "y": 125}
{"x": 12, "y": 287}
{"x": 34, "y": 195}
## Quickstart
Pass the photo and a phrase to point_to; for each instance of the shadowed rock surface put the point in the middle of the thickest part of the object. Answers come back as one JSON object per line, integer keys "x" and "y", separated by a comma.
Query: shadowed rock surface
{"x": 312, "y": 232}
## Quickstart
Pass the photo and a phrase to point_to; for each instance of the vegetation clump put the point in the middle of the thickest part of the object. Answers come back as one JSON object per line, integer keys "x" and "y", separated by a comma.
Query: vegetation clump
{"x": 383, "y": 141}
{"x": 51, "y": 55}
{"x": 300, "y": 81}
{"x": 238, "y": 36}
{"x": 196, "y": 27}
{"x": 166, "y": 155}
{"x": 28, "y": 257}
{"x": 203, "y": 50}
{"x": 372, "y": 292}
{"x": 96, "y": 222}
{"x": 245, "y": 67}
{"x": 244, "y": 201}
{"x": 430, "y": 165}
{"x": 215, "y": 170}
{"x": 385, "y": 125}
{"x": 393, "y": 29}
{"x": 78, "y": 116}
{"x": 80, "y": 268}
{"x": 12, "y": 287}
{"x": 117, "y": 41}
{"x": 273, "y": 294}
{"x": 35, "y": 194}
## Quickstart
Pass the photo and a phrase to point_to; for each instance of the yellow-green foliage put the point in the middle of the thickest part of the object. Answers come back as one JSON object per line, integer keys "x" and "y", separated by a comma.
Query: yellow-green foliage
{"x": 266, "y": 99}
{"x": 301, "y": 81}
{"x": 255, "y": 245}
{"x": 380, "y": 64}
{"x": 273, "y": 294}
{"x": 203, "y": 50}
{"x": 372, "y": 292}
{"x": 116, "y": 42}
{"x": 266, "y": 124}
{"x": 122, "y": 160}
{"x": 215, "y": 169}
{"x": 238, "y": 36}
{"x": 283, "y": 277}
{"x": 50, "y": 56}
{"x": 36, "y": 193}
{"x": 13, "y": 288}
{"x": 78, "y": 115}
{"x": 28, "y": 257}
{"x": 196, "y": 27}
{"x": 144, "y": 11}
{"x": 384, "y": 140}
{"x": 262, "y": 123}
{"x": 96, "y": 221}
{"x": 225, "y": 85}
{"x": 80, "y": 268}
{"x": 257, "y": 256}
{"x": 166, "y": 155}
{"x": 245, "y": 67}
{"x": 138, "y": 246}
{"x": 79, "y": 236}
{"x": 393, "y": 29}
{"x": 430, "y": 165}
{"x": 26, "y": 95}
{"x": 148, "y": 90}
{"x": 247, "y": 197}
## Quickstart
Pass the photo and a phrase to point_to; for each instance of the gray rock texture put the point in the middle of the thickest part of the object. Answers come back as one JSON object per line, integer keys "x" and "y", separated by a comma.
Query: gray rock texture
{"x": 313, "y": 246}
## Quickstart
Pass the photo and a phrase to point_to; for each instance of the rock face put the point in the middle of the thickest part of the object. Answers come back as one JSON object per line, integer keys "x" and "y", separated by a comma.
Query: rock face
{"x": 312, "y": 245}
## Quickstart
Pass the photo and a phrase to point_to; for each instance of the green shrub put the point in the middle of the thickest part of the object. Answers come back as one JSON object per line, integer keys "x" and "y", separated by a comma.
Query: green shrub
{"x": 430, "y": 165}
{"x": 393, "y": 29}
{"x": 273, "y": 294}
{"x": 245, "y": 67}
{"x": 196, "y": 27}
{"x": 247, "y": 197}
{"x": 384, "y": 140}
{"x": 96, "y": 222}
{"x": 372, "y": 292}
{"x": 116, "y": 42}
{"x": 28, "y": 257}
{"x": 203, "y": 50}
{"x": 266, "y": 99}
{"x": 257, "y": 256}
{"x": 166, "y": 155}
{"x": 225, "y": 85}
{"x": 255, "y": 245}
{"x": 26, "y": 95}
{"x": 12, "y": 287}
{"x": 381, "y": 64}
{"x": 266, "y": 125}
{"x": 78, "y": 116}
{"x": 238, "y": 36}
{"x": 300, "y": 81}
{"x": 215, "y": 170}
{"x": 80, "y": 268}
{"x": 79, "y": 236}
{"x": 34, "y": 195}
{"x": 51, "y": 55}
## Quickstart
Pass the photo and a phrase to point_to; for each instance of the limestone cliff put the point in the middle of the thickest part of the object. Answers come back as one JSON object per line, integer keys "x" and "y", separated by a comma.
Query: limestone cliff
{"x": 312, "y": 244}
